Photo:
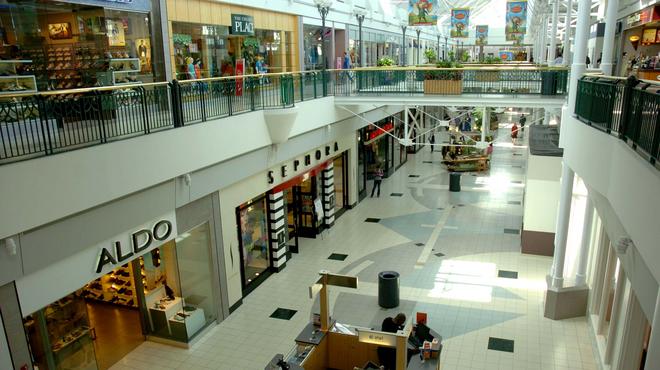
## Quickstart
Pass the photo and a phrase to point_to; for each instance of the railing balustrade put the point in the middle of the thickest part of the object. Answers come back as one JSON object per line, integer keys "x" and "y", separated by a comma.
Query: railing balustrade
{"x": 33, "y": 125}
{"x": 628, "y": 108}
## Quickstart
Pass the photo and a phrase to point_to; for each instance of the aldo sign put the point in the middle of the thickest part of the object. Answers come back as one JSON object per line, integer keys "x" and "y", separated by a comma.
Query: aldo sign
{"x": 242, "y": 24}
{"x": 139, "y": 242}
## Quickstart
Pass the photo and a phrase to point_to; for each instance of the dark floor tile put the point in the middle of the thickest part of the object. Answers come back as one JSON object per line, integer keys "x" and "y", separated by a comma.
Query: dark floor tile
{"x": 514, "y": 202}
{"x": 460, "y": 205}
{"x": 512, "y": 231}
{"x": 440, "y": 209}
{"x": 396, "y": 194}
{"x": 518, "y": 154}
{"x": 283, "y": 313}
{"x": 516, "y": 166}
{"x": 338, "y": 256}
{"x": 516, "y": 182}
{"x": 439, "y": 254}
{"x": 374, "y": 220}
{"x": 507, "y": 274}
{"x": 499, "y": 344}
{"x": 413, "y": 175}
{"x": 427, "y": 161}
{"x": 419, "y": 244}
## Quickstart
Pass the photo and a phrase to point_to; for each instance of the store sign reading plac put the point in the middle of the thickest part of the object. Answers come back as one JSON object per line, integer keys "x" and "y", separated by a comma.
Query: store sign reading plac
{"x": 242, "y": 24}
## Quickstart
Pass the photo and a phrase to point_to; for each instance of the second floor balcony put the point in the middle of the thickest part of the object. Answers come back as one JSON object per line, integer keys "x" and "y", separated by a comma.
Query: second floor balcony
{"x": 46, "y": 123}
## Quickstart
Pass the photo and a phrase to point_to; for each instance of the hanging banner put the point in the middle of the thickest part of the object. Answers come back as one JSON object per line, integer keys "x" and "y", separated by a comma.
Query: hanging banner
{"x": 481, "y": 35}
{"x": 460, "y": 20}
{"x": 506, "y": 56}
{"x": 516, "y": 19}
{"x": 422, "y": 12}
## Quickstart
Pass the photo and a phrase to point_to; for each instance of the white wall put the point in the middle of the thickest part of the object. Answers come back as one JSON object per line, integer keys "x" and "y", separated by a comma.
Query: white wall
{"x": 542, "y": 193}
{"x": 241, "y": 192}
{"x": 627, "y": 181}
{"x": 39, "y": 191}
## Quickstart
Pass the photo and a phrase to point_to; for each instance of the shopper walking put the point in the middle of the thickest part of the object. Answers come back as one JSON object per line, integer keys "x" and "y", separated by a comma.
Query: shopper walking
{"x": 378, "y": 178}
{"x": 514, "y": 133}
{"x": 432, "y": 142}
{"x": 522, "y": 122}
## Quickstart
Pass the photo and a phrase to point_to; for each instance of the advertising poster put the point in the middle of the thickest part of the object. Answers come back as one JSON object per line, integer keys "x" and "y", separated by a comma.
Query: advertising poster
{"x": 115, "y": 31}
{"x": 516, "y": 18}
{"x": 240, "y": 71}
{"x": 460, "y": 20}
{"x": 143, "y": 47}
{"x": 481, "y": 35}
{"x": 648, "y": 36}
{"x": 422, "y": 12}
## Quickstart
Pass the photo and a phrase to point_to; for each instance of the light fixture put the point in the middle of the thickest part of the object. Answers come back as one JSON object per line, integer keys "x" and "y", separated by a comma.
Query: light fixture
{"x": 633, "y": 38}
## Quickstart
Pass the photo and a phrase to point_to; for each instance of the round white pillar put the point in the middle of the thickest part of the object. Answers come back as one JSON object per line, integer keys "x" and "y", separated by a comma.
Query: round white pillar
{"x": 583, "y": 255}
{"x": 607, "y": 60}
{"x": 563, "y": 216}
{"x": 553, "y": 34}
{"x": 579, "y": 58}
{"x": 566, "y": 55}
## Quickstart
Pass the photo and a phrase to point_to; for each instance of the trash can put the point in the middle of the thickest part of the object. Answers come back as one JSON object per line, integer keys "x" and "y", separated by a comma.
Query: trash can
{"x": 454, "y": 181}
{"x": 388, "y": 289}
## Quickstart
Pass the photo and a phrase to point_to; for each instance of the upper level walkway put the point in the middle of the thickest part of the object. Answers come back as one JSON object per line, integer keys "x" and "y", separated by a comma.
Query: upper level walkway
{"x": 46, "y": 123}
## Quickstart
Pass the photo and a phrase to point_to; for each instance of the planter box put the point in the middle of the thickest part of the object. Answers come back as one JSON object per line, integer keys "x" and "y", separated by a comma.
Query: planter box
{"x": 443, "y": 87}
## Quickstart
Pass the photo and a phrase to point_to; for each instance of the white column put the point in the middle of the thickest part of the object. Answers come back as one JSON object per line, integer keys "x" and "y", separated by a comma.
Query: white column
{"x": 546, "y": 116}
{"x": 566, "y": 56}
{"x": 563, "y": 216}
{"x": 405, "y": 123}
{"x": 544, "y": 40}
{"x": 484, "y": 122}
{"x": 653, "y": 354}
{"x": 583, "y": 256}
{"x": 617, "y": 306}
{"x": 607, "y": 60}
{"x": 581, "y": 35}
{"x": 553, "y": 33}
{"x": 607, "y": 287}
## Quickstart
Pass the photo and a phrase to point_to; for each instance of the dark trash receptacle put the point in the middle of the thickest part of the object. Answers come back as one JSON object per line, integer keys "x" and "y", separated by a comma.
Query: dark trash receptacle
{"x": 454, "y": 181}
{"x": 388, "y": 289}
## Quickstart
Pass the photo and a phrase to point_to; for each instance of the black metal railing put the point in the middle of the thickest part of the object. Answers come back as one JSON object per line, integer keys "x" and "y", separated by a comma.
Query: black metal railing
{"x": 33, "y": 125}
{"x": 629, "y": 108}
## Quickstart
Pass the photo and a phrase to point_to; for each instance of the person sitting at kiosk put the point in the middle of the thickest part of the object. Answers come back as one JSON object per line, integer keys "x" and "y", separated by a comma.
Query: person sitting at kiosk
{"x": 386, "y": 355}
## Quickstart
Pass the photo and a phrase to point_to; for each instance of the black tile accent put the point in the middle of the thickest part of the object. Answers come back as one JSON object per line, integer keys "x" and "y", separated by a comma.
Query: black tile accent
{"x": 396, "y": 194}
{"x": 507, "y": 274}
{"x": 441, "y": 209}
{"x": 374, "y": 220}
{"x": 516, "y": 182}
{"x": 413, "y": 175}
{"x": 460, "y": 205}
{"x": 499, "y": 344}
{"x": 283, "y": 313}
{"x": 515, "y": 166}
{"x": 439, "y": 254}
{"x": 427, "y": 161}
{"x": 514, "y": 202}
{"x": 512, "y": 231}
{"x": 517, "y": 154}
{"x": 419, "y": 244}
{"x": 338, "y": 256}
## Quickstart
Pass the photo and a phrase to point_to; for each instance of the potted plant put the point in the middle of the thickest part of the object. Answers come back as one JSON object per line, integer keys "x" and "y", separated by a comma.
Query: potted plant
{"x": 445, "y": 81}
{"x": 430, "y": 56}
{"x": 386, "y": 77}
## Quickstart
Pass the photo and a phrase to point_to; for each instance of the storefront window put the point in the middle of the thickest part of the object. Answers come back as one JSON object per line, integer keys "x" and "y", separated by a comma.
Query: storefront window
{"x": 202, "y": 51}
{"x": 253, "y": 226}
{"x": 57, "y": 45}
{"x": 313, "y": 47}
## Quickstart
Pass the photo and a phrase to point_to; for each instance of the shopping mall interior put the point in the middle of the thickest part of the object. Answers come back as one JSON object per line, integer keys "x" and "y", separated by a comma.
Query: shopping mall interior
{"x": 198, "y": 184}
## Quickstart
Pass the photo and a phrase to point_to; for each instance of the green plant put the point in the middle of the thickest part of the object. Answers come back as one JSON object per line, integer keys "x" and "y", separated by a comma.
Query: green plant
{"x": 452, "y": 56}
{"x": 465, "y": 57}
{"x": 385, "y": 62}
{"x": 447, "y": 64}
{"x": 430, "y": 55}
{"x": 492, "y": 60}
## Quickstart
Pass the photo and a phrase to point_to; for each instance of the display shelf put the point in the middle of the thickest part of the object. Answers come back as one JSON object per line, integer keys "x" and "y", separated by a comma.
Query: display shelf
{"x": 13, "y": 82}
{"x": 71, "y": 338}
{"x": 106, "y": 288}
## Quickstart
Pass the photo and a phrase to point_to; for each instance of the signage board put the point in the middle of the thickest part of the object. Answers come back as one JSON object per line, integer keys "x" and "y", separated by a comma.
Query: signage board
{"x": 377, "y": 337}
{"x": 242, "y": 24}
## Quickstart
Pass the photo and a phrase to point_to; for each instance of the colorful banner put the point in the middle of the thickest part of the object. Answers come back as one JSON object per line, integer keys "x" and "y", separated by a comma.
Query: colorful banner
{"x": 460, "y": 20}
{"x": 516, "y": 19}
{"x": 506, "y": 56}
{"x": 422, "y": 12}
{"x": 481, "y": 35}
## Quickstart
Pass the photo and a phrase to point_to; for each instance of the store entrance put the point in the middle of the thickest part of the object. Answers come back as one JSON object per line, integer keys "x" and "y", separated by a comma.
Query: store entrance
{"x": 306, "y": 195}
{"x": 292, "y": 197}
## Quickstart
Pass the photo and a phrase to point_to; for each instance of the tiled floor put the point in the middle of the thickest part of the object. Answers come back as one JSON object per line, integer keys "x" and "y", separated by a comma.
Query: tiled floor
{"x": 452, "y": 275}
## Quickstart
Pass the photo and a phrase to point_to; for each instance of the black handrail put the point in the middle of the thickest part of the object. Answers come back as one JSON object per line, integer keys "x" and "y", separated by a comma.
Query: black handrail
{"x": 629, "y": 109}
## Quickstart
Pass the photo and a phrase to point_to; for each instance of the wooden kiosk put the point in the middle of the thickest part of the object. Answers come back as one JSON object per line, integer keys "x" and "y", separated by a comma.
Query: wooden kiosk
{"x": 345, "y": 347}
